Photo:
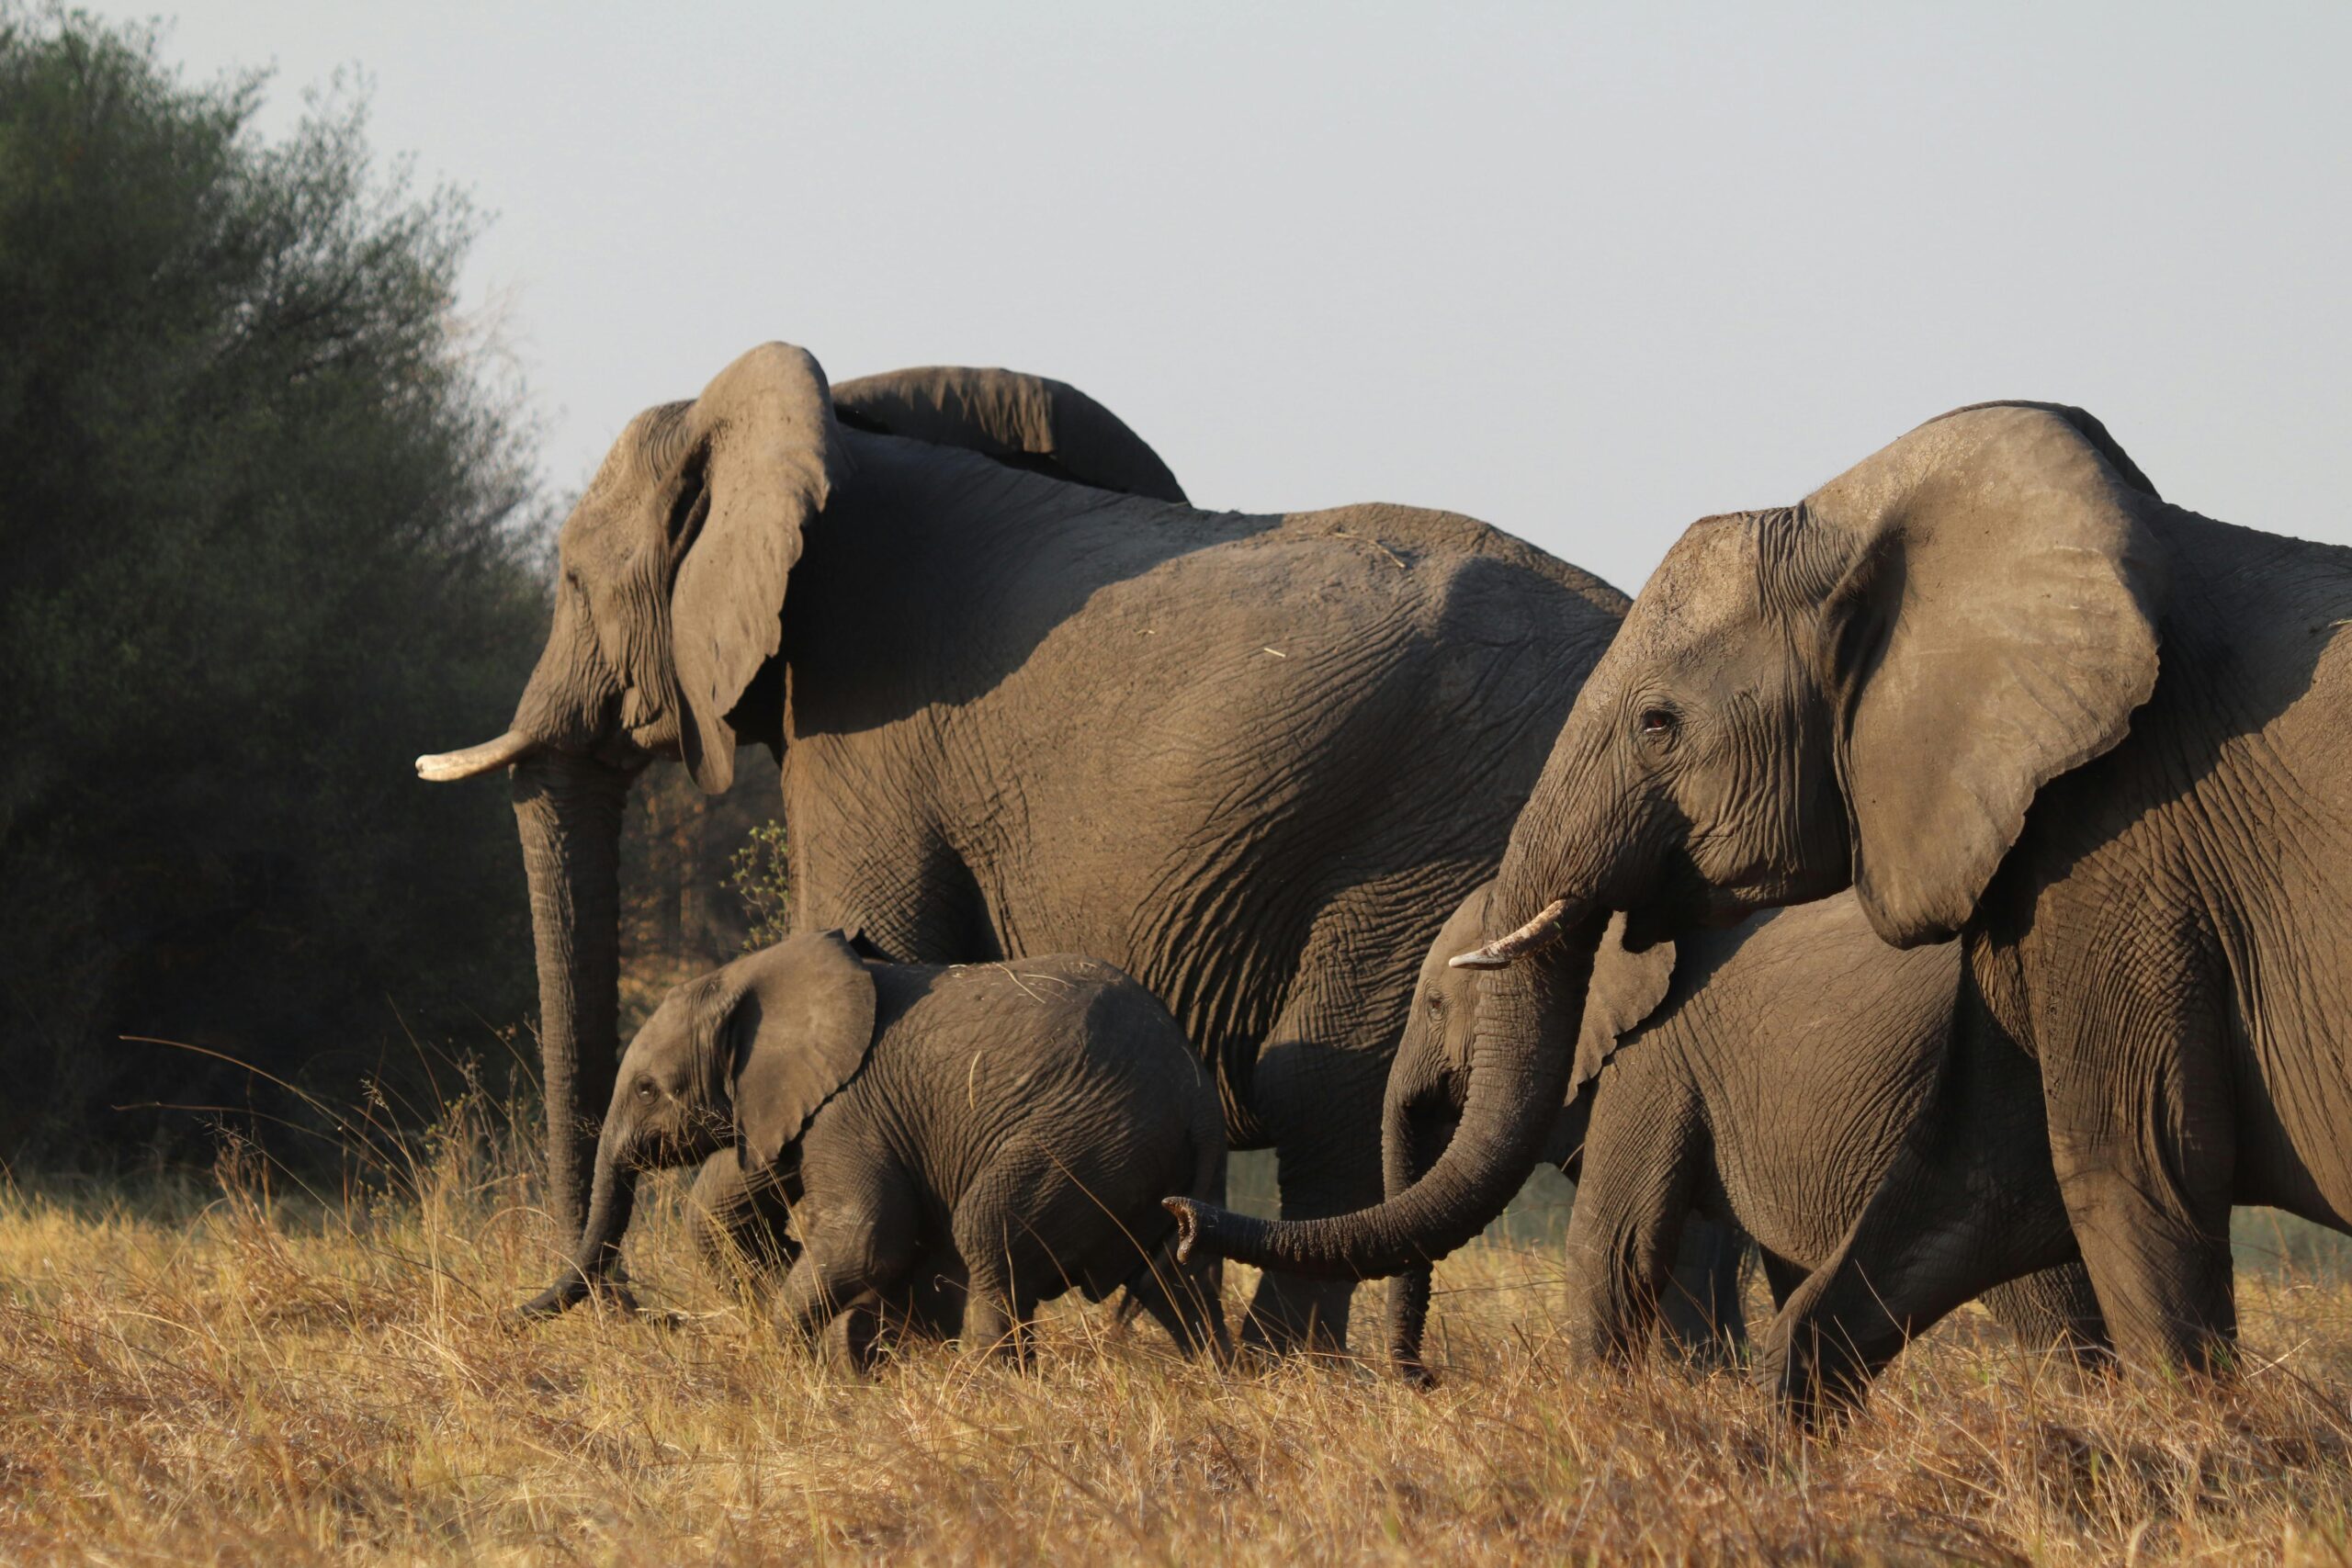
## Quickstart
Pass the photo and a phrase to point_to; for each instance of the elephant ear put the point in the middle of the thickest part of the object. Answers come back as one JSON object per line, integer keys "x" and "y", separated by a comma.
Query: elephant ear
{"x": 1626, "y": 989}
{"x": 801, "y": 1030}
{"x": 1026, "y": 421}
{"x": 1993, "y": 624}
{"x": 762, "y": 454}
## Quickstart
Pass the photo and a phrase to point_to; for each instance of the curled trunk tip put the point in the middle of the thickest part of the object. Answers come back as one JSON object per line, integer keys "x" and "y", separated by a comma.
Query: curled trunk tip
{"x": 1188, "y": 1224}
{"x": 1506, "y": 950}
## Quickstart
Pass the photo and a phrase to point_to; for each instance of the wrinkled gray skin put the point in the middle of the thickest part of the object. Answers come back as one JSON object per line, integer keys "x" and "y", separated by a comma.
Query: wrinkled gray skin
{"x": 1993, "y": 683}
{"x": 1698, "y": 1291}
{"x": 1771, "y": 1089}
{"x": 954, "y": 1145}
{"x": 1021, "y": 714}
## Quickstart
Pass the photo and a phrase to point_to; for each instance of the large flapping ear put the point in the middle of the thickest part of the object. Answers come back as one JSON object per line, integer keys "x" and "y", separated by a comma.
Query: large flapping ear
{"x": 1626, "y": 989}
{"x": 1991, "y": 625}
{"x": 800, "y": 1032}
{"x": 763, "y": 440}
{"x": 1004, "y": 414}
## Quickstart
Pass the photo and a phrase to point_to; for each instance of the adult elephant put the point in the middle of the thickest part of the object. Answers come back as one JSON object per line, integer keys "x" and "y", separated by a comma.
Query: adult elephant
{"x": 1992, "y": 681}
{"x": 1019, "y": 713}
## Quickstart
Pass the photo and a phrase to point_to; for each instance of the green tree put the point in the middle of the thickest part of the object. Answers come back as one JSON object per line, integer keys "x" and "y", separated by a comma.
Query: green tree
{"x": 268, "y": 528}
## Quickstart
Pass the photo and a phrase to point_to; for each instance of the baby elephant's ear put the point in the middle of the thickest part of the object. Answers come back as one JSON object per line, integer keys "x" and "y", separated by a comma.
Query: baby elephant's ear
{"x": 801, "y": 1032}
{"x": 1627, "y": 987}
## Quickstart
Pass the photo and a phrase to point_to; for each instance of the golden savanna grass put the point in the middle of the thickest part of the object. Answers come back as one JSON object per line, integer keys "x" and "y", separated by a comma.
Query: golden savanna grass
{"x": 236, "y": 1372}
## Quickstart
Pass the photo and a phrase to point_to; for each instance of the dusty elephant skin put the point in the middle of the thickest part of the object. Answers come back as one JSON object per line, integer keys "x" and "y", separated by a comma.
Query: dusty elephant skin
{"x": 1019, "y": 711}
{"x": 954, "y": 1145}
{"x": 1772, "y": 1087}
{"x": 1993, "y": 683}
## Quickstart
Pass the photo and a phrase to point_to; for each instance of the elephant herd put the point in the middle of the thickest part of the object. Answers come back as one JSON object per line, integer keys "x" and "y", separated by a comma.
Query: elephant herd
{"x": 1945, "y": 881}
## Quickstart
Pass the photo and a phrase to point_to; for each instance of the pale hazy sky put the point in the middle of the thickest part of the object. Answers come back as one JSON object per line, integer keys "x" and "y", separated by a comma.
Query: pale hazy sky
{"x": 1586, "y": 272}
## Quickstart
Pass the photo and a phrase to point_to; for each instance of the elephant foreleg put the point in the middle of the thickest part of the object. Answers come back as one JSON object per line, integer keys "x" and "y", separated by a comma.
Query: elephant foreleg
{"x": 1321, "y": 1108}
{"x": 1642, "y": 1157}
{"x": 2142, "y": 1138}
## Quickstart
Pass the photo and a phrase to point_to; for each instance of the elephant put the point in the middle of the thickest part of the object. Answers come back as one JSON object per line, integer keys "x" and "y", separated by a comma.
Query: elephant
{"x": 956, "y": 1145}
{"x": 1993, "y": 683}
{"x": 1769, "y": 1090}
{"x": 1027, "y": 700}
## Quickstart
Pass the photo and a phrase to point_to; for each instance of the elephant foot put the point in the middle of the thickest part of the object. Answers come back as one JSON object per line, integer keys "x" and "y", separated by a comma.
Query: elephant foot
{"x": 611, "y": 1292}
{"x": 1290, "y": 1316}
{"x": 1817, "y": 1379}
{"x": 853, "y": 1341}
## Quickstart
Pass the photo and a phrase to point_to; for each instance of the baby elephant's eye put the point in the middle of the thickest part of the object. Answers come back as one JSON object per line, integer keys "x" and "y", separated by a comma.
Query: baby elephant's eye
{"x": 645, "y": 1089}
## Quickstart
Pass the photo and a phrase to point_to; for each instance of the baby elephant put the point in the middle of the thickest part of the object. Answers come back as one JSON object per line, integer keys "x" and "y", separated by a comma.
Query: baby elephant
{"x": 1848, "y": 1104}
{"x": 956, "y": 1144}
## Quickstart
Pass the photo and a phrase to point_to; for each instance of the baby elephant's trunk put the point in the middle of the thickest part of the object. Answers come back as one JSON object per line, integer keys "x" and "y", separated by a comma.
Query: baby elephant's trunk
{"x": 596, "y": 1264}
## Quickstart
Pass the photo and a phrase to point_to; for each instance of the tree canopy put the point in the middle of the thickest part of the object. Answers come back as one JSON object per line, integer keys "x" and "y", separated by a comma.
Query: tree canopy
{"x": 268, "y": 528}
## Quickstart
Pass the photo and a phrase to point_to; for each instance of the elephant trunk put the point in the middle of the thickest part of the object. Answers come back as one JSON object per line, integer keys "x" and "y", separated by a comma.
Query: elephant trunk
{"x": 596, "y": 1261}
{"x": 567, "y": 811}
{"x": 1528, "y": 1016}
{"x": 1408, "y": 1139}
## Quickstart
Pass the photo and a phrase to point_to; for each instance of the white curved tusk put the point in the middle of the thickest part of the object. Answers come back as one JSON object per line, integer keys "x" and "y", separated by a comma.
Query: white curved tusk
{"x": 1505, "y": 950}
{"x": 447, "y": 767}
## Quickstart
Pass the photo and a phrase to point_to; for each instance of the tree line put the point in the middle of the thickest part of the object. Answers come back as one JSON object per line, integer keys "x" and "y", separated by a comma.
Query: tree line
{"x": 270, "y": 525}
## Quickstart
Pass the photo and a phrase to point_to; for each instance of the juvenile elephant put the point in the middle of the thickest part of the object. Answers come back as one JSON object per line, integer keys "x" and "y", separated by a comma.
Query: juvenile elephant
{"x": 956, "y": 1144}
{"x": 1770, "y": 1090}
{"x": 1992, "y": 681}
{"x": 1026, "y": 701}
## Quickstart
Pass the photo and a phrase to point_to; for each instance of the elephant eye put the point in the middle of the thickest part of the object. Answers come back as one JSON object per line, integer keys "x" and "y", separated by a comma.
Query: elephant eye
{"x": 1657, "y": 723}
{"x": 645, "y": 1089}
{"x": 1436, "y": 1005}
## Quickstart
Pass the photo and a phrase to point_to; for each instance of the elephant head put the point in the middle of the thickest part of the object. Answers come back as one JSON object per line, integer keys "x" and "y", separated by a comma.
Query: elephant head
{"x": 745, "y": 1055}
{"x": 1866, "y": 689}
{"x": 667, "y": 622}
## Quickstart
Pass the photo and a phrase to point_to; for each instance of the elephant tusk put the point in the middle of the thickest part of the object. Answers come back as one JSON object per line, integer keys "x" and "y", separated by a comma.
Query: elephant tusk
{"x": 1506, "y": 949}
{"x": 447, "y": 767}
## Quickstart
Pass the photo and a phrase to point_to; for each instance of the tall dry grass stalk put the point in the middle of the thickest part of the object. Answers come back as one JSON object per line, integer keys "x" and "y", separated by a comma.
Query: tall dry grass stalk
{"x": 231, "y": 1373}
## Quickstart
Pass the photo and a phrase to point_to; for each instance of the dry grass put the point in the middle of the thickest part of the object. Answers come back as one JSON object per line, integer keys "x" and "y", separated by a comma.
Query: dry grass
{"x": 222, "y": 1376}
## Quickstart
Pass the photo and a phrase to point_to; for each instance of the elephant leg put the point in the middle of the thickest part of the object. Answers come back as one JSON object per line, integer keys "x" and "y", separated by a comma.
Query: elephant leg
{"x": 855, "y": 1248}
{"x": 1969, "y": 1201}
{"x": 2142, "y": 1133}
{"x": 1699, "y": 1303}
{"x": 1641, "y": 1155}
{"x": 2054, "y": 1309}
{"x": 743, "y": 1230}
{"x": 1320, "y": 1107}
{"x": 1781, "y": 1278}
{"x": 1182, "y": 1298}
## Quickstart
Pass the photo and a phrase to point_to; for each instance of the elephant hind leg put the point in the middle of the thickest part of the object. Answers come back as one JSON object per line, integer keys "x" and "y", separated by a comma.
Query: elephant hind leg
{"x": 1183, "y": 1300}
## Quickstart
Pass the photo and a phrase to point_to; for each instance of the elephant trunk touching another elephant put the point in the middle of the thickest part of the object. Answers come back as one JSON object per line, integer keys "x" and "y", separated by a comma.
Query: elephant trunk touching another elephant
{"x": 1526, "y": 1046}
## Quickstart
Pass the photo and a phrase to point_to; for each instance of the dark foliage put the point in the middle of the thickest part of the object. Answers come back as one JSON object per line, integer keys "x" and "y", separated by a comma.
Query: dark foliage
{"x": 267, "y": 530}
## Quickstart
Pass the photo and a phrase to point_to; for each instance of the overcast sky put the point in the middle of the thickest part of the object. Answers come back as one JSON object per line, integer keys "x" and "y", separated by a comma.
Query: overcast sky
{"x": 1586, "y": 272}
